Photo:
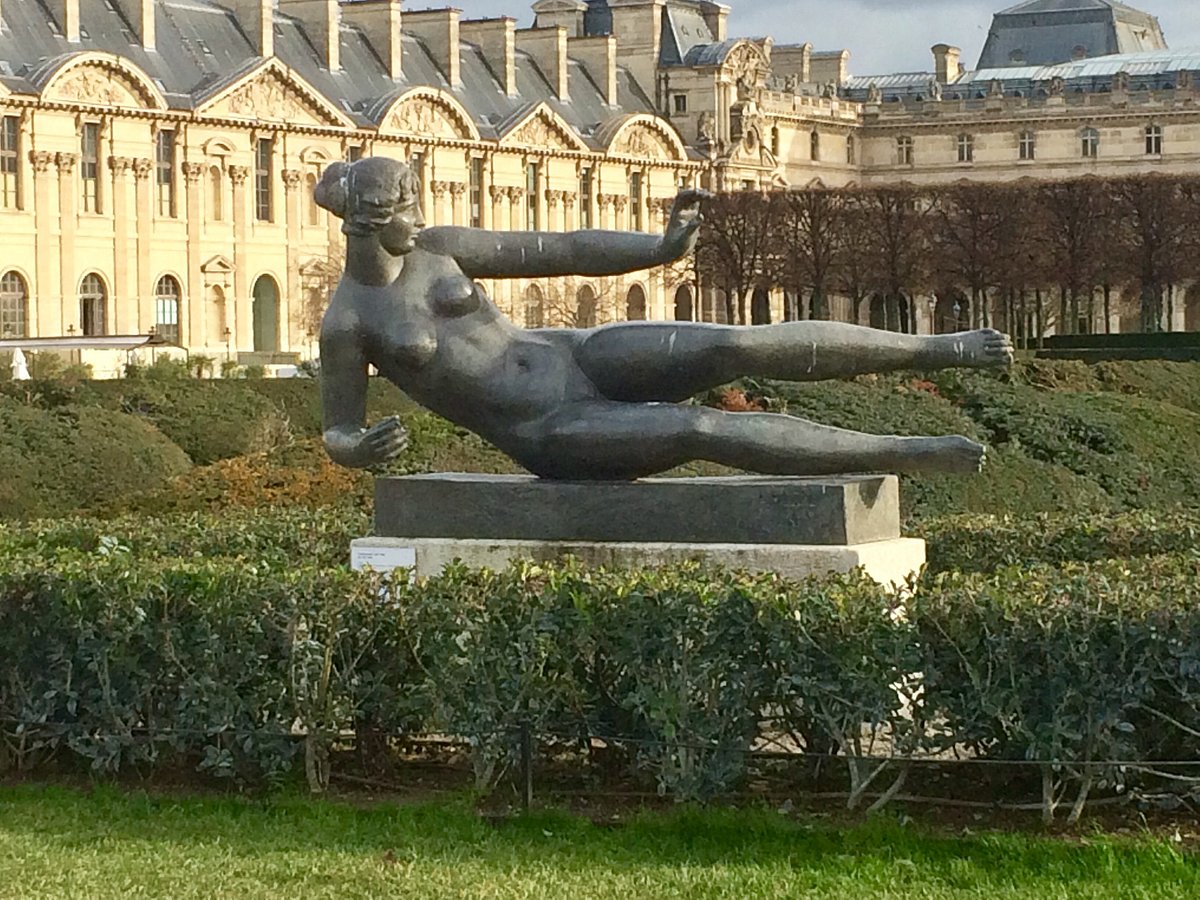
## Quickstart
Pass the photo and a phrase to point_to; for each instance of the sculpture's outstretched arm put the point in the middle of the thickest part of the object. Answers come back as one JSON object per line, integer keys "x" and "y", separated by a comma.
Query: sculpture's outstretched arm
{"x": 344, "y": 407}
{"x": 537, "y": 254}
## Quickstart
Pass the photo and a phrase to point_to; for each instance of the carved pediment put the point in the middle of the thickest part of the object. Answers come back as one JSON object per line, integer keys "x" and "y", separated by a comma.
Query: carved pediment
{"x": 270, "y": 96}
{"x": 545, "y": 132}
{"x": 425, "y": 117}
{"x": 643, "y": 142}
{"x": 101, "y": 86}
{"x": 217, "y": 265}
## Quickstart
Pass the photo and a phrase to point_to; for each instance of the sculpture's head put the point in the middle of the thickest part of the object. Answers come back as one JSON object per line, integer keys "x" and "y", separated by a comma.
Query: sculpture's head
{"x": 374, "y": 196}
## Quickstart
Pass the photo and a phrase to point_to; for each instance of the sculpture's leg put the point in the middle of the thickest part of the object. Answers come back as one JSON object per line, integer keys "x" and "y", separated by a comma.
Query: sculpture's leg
{"x": 630, "y": 440}
{"x": 676, "y": 360}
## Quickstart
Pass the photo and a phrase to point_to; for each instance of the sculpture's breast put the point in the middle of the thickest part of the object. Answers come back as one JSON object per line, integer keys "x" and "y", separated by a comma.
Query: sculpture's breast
{"x": 454, "y": 296}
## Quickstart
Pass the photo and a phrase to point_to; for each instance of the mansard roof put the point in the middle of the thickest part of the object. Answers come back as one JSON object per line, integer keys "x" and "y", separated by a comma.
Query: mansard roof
{"x": 1046, "y": 32}
{"x": 201, "y": 49}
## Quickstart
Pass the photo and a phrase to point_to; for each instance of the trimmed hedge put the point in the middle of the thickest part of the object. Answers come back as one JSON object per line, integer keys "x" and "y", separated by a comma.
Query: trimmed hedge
{"x": 56, "y": 462}
{"x": 240, "y": 668}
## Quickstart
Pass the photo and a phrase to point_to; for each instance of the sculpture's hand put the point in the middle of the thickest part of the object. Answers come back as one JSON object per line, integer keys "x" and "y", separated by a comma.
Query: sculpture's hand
{"x": 381, "y": 443}
{"x": 684, "y": 225}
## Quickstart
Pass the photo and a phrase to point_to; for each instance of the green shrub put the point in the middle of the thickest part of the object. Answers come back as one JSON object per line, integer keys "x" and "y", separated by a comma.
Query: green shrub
{"x": 71, "y": 458}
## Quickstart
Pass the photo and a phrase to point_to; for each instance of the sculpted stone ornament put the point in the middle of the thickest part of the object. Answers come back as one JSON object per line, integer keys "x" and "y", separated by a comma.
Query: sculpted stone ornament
{"x": 587, "y": 404}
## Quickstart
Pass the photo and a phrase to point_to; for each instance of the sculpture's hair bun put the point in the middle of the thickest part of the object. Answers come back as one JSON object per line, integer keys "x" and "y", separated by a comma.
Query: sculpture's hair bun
{"x": 331, "y": 191}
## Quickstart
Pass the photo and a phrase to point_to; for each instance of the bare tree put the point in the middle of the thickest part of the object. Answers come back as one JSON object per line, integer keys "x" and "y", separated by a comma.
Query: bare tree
{"x": 1154, "y": 225}
{"x": 809, "y": 229}
{"x": 895, "y": 218}
{"x": 732, "y": 249}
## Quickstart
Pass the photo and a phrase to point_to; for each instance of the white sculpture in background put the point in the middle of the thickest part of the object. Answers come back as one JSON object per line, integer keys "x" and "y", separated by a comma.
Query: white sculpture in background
{"x": 20, "y": 369}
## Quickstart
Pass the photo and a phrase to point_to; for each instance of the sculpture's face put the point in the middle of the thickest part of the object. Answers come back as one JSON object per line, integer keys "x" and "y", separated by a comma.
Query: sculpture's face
{"x": 383, "y": 200}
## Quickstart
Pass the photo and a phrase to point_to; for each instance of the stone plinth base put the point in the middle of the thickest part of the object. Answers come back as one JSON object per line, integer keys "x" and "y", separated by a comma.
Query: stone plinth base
{"x": 847, "y": 509}
{"x": 889, "y": 562}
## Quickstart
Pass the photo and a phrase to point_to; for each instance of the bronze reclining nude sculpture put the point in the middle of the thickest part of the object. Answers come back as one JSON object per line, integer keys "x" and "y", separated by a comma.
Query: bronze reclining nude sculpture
{"x": 599, "y": 403}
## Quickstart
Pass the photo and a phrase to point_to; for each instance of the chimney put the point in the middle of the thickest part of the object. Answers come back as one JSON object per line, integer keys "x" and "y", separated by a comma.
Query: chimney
{"x": 637, "y": 25}
{"x": 945, "y": 63}
{"x": 496, "y": 39}
{"x": 438, "y": 30}
{"x": 379, "y": 20}
{"x": 599, "y": 57}
{"x": 716, "y": 15}
{"x": 140, "y": 13}
{"x": 322, "y": 24}
{"x": 257, "y": 19}
{"x": 548, "y": 48}
{"x": 69, "y": 19}
{"x": 793, "y": 59}
{"x": 568, "y": 13}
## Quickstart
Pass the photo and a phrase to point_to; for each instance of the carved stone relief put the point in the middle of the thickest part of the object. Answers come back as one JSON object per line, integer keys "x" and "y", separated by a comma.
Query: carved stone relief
{"x": 427, "y": 119}
{"x": 540, "y": 132}
{"x": 269, "y": 96}
{"x": 99, "y": 86}
{"x": 644, "y": 143}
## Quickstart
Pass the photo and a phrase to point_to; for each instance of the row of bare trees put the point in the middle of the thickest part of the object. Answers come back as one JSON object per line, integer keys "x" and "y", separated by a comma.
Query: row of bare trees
{"x": 1028, "y": 256}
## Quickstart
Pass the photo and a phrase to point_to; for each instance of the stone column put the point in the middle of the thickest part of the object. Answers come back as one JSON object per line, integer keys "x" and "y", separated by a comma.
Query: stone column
{"x": 553, "y": 222}
{"x": 570, "y": 222}
{"x": 121, "y": 168}
{"x": 293, "y": 183}
{"x": 143, "y": 172}
{"x": 439, "y": 191}
{"x": 514, "y": 209}
{"x": 458, "y": 208}
{"x": 67, "y": 220}
{"x": 192, "y": 313}
{"x": 46, "y": 313}
{"x": 240, "y": 321}
{"x": 495, "y": 215}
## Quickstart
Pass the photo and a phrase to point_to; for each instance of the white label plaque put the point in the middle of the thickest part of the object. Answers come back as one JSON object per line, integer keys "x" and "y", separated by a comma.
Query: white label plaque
{"x": 382, "y": 559}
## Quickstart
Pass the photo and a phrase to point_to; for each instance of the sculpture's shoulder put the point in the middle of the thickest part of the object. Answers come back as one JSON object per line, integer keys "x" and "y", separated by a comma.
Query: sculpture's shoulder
{"x": 341, "y": 319}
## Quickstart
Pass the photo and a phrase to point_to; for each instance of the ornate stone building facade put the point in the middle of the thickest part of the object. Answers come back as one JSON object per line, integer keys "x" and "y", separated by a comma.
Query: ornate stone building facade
{"x": 157, "y": 157}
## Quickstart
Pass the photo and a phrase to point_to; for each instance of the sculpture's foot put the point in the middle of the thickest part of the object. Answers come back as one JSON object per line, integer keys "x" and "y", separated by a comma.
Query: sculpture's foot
{"x": 953, "y": 455}
{"x": 986, "y": 348}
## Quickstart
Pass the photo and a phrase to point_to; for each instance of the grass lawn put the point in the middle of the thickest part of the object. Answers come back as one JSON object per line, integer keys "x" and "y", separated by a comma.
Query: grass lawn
{"x": 56, "y": 842}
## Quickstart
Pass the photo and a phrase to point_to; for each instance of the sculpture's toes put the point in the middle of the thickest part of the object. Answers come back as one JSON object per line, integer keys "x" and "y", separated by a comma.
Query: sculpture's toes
{"x": 954, "y": 455}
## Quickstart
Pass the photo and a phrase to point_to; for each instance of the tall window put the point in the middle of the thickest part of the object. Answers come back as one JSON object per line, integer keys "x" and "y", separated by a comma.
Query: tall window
{"x": 93, "y": 300}
{"x": 476, "y": 191}
{"x": 850, "y": 149}
{"x": 1154, "y": 140}
{"x": 635, "y": 201}
{"x": 310, "y": 197}
{"x": 166, "y": 309}
{"x": 89, "y": 167}
{"x": 1089, "y": 143}
{"x": 532, "y": 218}
{"x": 10, "y": 139}
{"x": 164, "y": 173}
{"x": 216, "y": 189}
{"x": 904, "y": 150}
{"x": 814, "y": 145}
{"x": 679, "y": 102}
{"x": 966, "y": 148}
{"x": 1027, "y": 145}
{"x": 14, "y": 298}
{"x": 263, "y": 182}
{"x": 535, "y": 307}
{"x": 354, "y": 153}
{"x": 585, "y": 197}
{"x": 416, "y": 163}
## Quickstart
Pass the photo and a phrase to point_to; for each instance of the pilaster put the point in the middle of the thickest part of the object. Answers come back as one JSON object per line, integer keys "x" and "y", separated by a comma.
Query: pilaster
{"x": 66, "y": 237}
{"x": 192, "y": 318}
{"x": 240, "y": 322}
{"x": 143, "y": 171}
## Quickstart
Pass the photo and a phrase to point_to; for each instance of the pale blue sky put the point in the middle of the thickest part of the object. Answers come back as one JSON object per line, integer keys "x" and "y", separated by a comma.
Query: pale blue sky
{"x": 881, "y": 35}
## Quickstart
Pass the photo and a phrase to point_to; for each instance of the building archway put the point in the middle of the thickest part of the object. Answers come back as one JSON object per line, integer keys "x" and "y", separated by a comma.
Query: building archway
{"x": 878, "y": 315}
{"x": 166, "y": 309}
{"x": 535, "y": 307}
{"x": 684, "y": 305}
{"x": 14, "y": 306}
{"x": 93, "y": 305}
{"x": 760, "y": 307}
{"x": 952, "y": 313}
{"x": 585, "y": 307}
{"x": 266, "y": 314}
{"x": 635, "y": 304}
{"x": 1191, "y": 309}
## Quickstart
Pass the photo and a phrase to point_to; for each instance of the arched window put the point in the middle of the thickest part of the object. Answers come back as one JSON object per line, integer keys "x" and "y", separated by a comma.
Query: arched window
{"x": 814, "y": 145}
{"x": 215, "y": 193}
{"x": 14, "y": 299}
{"x": 266, "y": 314}
{"x": 635, "y": 304}
{"x": 535, "y": 307}
{"x": 310, "y": 196}
{"x": 585, "y": 307}
{"x": 93, "y": 303}
{"x": 166, "y": 309}
{"x": 684, "y": 307}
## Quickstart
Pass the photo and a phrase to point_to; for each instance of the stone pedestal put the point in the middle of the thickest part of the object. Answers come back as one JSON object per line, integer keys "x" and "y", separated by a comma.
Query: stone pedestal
{"x": 793, "y": 526}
